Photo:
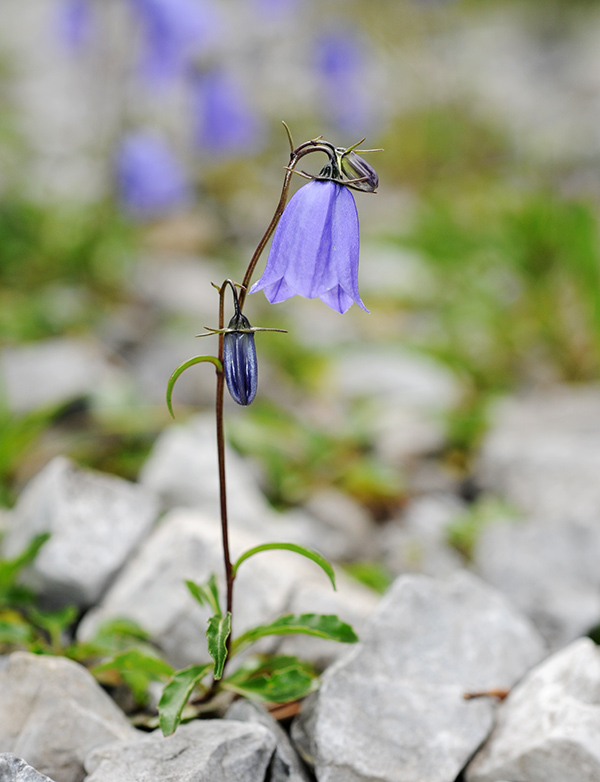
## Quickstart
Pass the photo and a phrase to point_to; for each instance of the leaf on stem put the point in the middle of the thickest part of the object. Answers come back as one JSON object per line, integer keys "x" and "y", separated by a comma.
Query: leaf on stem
{"x": 181, "y": 368}
{"x": 219, "y": 628}
{"x": 176, "y": 694}
{"x": 277, "y": 680}
{"x": 327, "y": 626}
{"x": 305, "y": 552}
{"x": 206, "y": 594}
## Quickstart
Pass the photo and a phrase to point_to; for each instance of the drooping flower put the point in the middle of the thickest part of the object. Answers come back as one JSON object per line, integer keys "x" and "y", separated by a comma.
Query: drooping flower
{"x": 172, "y": 32}
{"x": 150, "y": 179}
{"x": 224, "y": 123}
{"x": 314, "y": 252}
{"x": 239, "y": 359}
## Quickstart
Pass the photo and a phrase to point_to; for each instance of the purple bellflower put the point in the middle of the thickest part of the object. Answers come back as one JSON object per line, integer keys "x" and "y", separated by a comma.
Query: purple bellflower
{"x": 314, "y": 251}
{"x": 224, "y": 122}
{"x": 173, "y": 31}
{"x": 151, "y": 180}
{"x": 239, "y": 359}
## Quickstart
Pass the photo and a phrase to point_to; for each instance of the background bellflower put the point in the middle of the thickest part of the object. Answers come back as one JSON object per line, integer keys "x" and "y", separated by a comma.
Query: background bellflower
{"x": 315, "y": 248}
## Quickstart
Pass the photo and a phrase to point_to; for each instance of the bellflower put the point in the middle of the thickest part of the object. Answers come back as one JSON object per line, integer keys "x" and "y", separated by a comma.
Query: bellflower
{"x": 151, "y": 180}
{"x": 239, "y": 360}
{"x": 224, "y": 123}
{"x": 314, "y": 252}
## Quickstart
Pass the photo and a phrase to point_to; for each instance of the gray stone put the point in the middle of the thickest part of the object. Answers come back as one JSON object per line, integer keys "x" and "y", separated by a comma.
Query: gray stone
{"x": 54, "y": 371}
{"x": 549, "y": 569}
{"x": 14, "y": 769}
{"x": 95, "y": 522}
{"x": 187, "y": 545}
{"x": 416, "y": 542}
{"x": 286, "y": 766}
{"x": 547, "y": 729}
{"x": 543, "y": 453}
{"x": 202, "y": 751}
{"x": 53, "y": 713}
{"x": 182, "y": 470}
{"x": 393, "y": 709}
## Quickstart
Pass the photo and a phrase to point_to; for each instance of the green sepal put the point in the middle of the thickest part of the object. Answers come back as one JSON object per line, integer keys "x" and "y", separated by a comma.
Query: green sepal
{"x": 181, "y": 368}
{"x": 176, "y": 694}
{"x": 305, "y": 552}
{"x": 206, "y": 594}
{"x": 219, "y": 629}
{"x": 276, "y": 680}
{"x": 327, "y": 626}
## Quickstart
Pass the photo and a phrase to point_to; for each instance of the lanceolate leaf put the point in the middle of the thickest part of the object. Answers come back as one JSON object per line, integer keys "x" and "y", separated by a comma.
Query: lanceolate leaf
{"x": 206, "y": 594}
{"x": 10, "y": 568}
{"x": 305, "y": 552}
{"x": 219, "y": 628}
{"x": 136, "y": 660}
{"x": 321, "y": 625}
{"x": 176, "y": 694}
{"x": 278, "y": 680}
{"x": 181, "y": 368}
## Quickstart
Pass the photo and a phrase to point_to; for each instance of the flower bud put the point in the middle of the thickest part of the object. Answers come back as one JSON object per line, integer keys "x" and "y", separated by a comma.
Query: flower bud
{"x": 239, "y": 360}
{"x": 353, "y": 166}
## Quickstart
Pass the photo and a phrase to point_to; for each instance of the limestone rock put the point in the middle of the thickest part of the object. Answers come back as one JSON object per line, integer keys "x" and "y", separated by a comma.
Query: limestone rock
{"x": 53, "y": 713}
{"x": 202, "y": 751}
{"x": 95, "y": 522}
{"x": 14, "y": 769}
{"x": 286, "y": 766}
{"x": 547, "y": 729}
{"x": 393, "y": 709}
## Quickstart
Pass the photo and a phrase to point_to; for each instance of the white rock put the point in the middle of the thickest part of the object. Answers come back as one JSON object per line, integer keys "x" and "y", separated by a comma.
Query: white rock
{"x": 53, "y": 713}
{"x": 543, "y": 453}
{"x": 549, "y": 569}
{"x": 547, "y": 729}
{"x": 14, "y": 769}
{"x": 202, "y": 751}
{"x": 393, "y": 709}
{"x": 95, "y": 522}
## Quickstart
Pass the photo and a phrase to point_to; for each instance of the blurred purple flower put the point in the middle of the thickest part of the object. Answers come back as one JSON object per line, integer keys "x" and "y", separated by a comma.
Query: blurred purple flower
{"x": 315, "y": 249}
{"x": 150, "y": 179}
{"x": 275, "y": 9}
{"x": 76, "y": 23}
{"x": 340, "y": 60}
{"x": 173, "y": 31}
{"x": 223, "y": 121}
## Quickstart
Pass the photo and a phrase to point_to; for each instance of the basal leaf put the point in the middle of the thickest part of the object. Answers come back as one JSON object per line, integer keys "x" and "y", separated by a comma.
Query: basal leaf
{"x": 219, "y": 628}
{"x": 277, "y": 680}
{"x": 321, "y": 625}
{"x": 176, "y": 694}
{"x": 305, "y": 552}
{"x": 181, "y": 368}
{"x": 206, "y": 594}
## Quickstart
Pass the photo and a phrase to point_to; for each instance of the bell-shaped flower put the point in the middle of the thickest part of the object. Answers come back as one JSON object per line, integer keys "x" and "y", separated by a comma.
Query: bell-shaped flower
{"x": 239, "y": 360}
{"x": 150, "y": 179}
{"x": 314, "y": 252}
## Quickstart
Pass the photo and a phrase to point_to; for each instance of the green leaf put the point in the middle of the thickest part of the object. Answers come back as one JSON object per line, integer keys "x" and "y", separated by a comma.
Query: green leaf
{"x": 277, "y": 680}
{"x": 55, "y": 623}
{"x": 11, "y": 568}
{"x": 219, "y": 628}
{"x": 206, "y": 594}
{"x": 181, "y": 368}
{"x": 305, "y": 552}
{"x": 321, "y": 625}
{"x": 136, "y": 660}
{"x": 176, "y": 694}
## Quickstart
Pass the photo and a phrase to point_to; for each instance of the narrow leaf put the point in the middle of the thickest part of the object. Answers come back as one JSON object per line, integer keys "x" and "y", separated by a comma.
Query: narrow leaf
{"x": 278, "y": 680}
{"x": 136, "y": 660}
{"x": 181, "y": 368}
{"x": 176, "y": 694}
{"x": 305, "y": 552}
{"x": 219, "y": 628}
{"x": 10, "y": 568}
{"x": 320, "y": 625}
{"x": 206, "y": 594}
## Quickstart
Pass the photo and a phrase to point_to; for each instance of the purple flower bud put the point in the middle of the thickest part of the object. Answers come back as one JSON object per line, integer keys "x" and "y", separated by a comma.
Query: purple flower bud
{"x": 314, "y": 252}
{"x": 239, "y": 360}
{"x": 151, "y": 181}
